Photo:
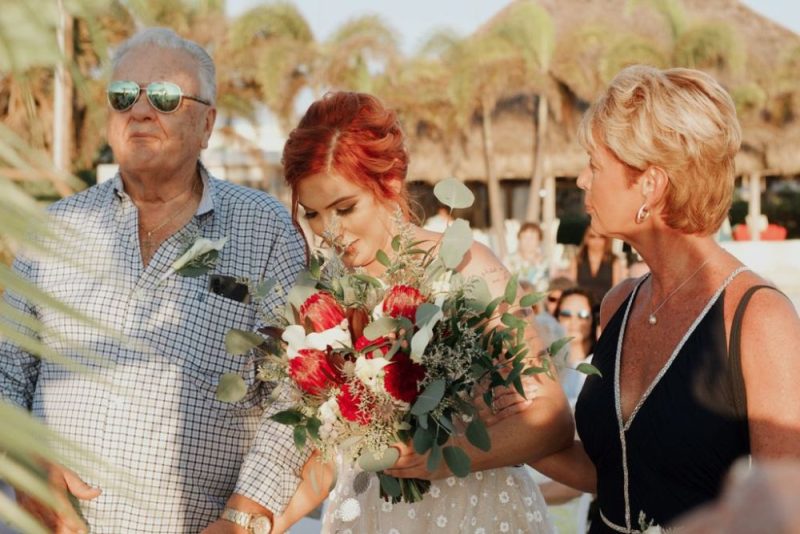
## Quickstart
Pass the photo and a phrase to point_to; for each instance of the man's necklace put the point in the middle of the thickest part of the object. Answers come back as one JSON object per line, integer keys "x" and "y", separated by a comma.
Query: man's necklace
{"x": 148, "y": 242}
{"x": 651, "y": 319}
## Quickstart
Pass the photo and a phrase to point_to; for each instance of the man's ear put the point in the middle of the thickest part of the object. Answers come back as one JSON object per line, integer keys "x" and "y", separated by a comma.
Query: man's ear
{"x": 208, "y": 125}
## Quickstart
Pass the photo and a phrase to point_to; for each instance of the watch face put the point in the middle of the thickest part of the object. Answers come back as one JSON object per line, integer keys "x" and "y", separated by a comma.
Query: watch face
{"x": 261, "y": 525}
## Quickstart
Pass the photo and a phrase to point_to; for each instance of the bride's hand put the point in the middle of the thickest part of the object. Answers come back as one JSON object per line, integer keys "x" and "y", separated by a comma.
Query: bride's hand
{"x": 414, "y": 465}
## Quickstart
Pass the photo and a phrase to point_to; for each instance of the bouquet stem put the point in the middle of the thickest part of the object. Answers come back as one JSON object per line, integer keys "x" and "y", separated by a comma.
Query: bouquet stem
{"x": 397, "y": 490}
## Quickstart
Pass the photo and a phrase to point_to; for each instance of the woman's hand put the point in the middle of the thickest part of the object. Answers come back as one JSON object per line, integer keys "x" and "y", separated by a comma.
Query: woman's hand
{"x": 414, "y": 465}
{"x": 507, "y": 402}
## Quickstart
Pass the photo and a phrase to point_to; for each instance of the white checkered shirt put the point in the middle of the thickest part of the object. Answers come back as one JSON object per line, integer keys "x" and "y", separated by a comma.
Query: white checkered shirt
{"x": 152, "y": 413}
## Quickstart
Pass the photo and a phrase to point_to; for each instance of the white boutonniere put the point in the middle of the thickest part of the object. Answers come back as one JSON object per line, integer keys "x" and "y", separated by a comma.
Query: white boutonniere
{"x": 197, "y": 259}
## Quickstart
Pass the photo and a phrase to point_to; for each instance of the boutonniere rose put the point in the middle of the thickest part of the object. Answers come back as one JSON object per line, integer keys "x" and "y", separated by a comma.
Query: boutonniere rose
{"x": 198, "y": 258}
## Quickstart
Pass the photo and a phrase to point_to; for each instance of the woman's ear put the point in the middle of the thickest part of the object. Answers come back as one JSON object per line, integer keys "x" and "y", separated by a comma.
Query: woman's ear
{"x": 653, "y": 184}
{"x": 396, "y": 185}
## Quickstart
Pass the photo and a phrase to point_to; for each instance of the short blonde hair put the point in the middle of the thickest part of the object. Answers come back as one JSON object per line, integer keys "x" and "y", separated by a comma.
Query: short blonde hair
{"x": 681, "y": 120}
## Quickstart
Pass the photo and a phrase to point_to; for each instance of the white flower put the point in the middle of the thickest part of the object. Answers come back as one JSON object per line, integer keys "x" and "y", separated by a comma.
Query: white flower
{"x": 329, "y": 411}
{"x": 479, "y": 475}
{"x": 200, "y": 247}
{"x": 370, "y": 372}
{"x": 529, "y": 517}
{"x": 473, "y": 500}
{"x": 441, "y": 521}
{"x": 386, "y": 507}
{"x": 537, "y": 516}
{"x": 350, "y": 509}
{"x": 510, "y": 481}
{"x": 296, "y": 339}
{"x": 480, "y": 530}
{"x": 528, "y": 501}
{"x": 435, "y": 491}
{"x": 412, "y": 514}
{"x": 503, "y": 527}
{"x": 451, "y": 481}
{"x": 394, "y": 531}
{"x": 503, "y": 497}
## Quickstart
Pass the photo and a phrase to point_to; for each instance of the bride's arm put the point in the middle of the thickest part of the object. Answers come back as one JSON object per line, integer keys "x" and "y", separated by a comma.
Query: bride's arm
{"x": 537, "y": 429}
{"x": 570, "y": 466}
{"x": 317, "y": 477}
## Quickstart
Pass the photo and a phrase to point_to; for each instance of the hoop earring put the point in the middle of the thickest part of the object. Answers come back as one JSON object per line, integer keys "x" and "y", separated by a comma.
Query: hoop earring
{"x": 642, "y": 214}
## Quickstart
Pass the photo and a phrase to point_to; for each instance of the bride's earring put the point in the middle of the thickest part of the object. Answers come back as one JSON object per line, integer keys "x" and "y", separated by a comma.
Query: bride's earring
{"x": 642, "y": 214}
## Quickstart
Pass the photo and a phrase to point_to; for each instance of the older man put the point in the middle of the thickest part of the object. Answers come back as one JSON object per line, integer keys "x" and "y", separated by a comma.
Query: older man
{"x": 179, "y": 454}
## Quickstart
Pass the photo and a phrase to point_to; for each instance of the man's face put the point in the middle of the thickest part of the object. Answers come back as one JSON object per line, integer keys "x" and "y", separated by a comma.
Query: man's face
{"x": 146, "y": 141}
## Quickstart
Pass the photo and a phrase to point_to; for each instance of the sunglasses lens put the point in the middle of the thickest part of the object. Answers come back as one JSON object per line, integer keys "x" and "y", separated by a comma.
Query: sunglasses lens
{"x": 580, "y": 314}
{"x": 122, "y": 95}
{"x": 164, "y": 96}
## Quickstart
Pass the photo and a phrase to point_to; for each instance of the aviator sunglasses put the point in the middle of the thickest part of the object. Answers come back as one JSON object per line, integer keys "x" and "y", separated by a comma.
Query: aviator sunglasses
{"x": 165, "y": 97}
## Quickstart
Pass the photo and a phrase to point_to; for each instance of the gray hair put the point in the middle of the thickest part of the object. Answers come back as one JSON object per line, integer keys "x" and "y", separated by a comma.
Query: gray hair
{"x": 166, "y": 38}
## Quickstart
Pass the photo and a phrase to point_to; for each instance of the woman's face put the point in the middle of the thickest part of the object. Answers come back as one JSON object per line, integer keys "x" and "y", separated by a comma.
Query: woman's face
{"x": 610, "y": 199}
{"x": 575, "y": 316}
{"x": 594, "y": 241}
{"x": 552, "y": 300}
{"x": 361, "y": 222}
{"x": 529, "y": 242}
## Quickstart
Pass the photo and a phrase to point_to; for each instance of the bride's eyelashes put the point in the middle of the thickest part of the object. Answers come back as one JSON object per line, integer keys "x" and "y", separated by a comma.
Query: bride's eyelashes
{"x": 339, "y": 211}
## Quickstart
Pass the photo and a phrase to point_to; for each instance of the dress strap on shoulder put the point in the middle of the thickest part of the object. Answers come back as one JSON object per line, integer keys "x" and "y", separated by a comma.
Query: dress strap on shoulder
{"x": 735, "y": 351}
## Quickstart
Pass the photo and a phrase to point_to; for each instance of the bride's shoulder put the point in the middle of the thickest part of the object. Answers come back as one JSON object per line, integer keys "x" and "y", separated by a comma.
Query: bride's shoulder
{"x": 481, "y": 261}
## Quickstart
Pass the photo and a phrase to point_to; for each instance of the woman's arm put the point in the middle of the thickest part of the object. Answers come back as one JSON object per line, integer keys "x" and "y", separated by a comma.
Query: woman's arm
{"x": 317, "y": 478}
{"x": 770, "y": 352}
{"x": 571, "y": 467}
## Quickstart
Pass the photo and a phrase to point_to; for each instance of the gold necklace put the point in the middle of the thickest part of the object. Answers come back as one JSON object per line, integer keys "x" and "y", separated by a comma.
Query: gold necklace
{"x": 147, "y": 241}
{"x": 651, "y": 319}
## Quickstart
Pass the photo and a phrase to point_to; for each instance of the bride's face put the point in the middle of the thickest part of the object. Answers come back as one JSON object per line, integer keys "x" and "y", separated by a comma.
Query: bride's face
{"x": 362, "y": 223}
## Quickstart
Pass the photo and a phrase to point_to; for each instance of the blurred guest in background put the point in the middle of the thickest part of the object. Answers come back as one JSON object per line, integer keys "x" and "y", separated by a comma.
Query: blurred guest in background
{"x": 595, "y": 267}
{"x": 528, "y": 262}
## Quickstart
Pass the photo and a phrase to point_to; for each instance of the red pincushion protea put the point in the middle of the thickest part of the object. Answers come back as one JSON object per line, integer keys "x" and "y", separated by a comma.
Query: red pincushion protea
{"x": 402, "y": 301}
{"x": 349, "y": 400}
{"x": 401, "y": 379}
{"x": 312, "y": 371}
{"x": 322, "y": 311}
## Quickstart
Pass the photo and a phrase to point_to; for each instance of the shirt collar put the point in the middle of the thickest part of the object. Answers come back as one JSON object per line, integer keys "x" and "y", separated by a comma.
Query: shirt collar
{"x": 206, "y": 201}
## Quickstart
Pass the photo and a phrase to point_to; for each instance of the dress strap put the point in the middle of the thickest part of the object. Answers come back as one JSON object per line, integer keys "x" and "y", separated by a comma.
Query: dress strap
{"x": 735, "y": 351}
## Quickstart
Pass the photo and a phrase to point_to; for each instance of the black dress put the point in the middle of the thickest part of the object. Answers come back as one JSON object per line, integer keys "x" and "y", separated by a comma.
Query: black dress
{"x": 682, "y": 438}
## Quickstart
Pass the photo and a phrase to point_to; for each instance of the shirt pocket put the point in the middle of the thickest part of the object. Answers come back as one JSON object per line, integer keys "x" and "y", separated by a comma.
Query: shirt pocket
{"x": 208, "y": 321}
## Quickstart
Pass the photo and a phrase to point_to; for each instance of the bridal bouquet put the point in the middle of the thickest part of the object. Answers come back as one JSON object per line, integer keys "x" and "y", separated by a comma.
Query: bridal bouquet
{"x": 371, "y": 362}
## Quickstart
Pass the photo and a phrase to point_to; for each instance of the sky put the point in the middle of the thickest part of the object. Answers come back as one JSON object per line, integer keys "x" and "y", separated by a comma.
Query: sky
{"x": 416, "y": 19}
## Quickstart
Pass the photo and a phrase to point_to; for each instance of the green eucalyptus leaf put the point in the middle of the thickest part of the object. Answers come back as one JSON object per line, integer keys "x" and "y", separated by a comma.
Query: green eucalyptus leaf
{"x": 239, "y": 342}
{"x": 456, "y": 242}
{"x": 231, "y": 388}
{"x": 513, "y": 321}
{"x": 371, "y": 280}
{"x": 453, "y": 194}
{"x": 588, "y": 369}
{"x": 381, "y": 327}
{"x": 390, "y": 485}
{"x": 422, "y": 420}
{"x": 510, "y": 294}
{"x": 288, "y": 417}
{"x": 531, "y": 299}
{"x": 299, "y": 434}
{"x": 477, "y": 434}
{"x": 313, "y": 424}
{"x": 434, "y": 458}
{"x": 457, "y": 460}
{"x": 383, "y": 258}
{"x": 423, "y": 440}
{"x": 426, "y": 313}
{"x": 396, "y": 243}
{"x": 477, "y": 294}
{"x": 557, "y": 345}
{"x": 263, "y": 288}
{"x": 315, "y": 266}
{"x": 373, "y": 461}
{"x": 429, "y": 399}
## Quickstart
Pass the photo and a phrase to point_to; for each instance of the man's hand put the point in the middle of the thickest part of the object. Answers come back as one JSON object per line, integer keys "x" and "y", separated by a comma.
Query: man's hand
{"x": 64, "y": 519}
{"x": 243, "y": 504}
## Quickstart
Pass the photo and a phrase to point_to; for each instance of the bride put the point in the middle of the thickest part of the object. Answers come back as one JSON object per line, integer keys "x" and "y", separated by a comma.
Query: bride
{"x": 346, "y": 163}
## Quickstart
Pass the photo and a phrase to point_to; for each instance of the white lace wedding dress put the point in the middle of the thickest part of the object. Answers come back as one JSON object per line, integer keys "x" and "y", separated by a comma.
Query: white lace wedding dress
{"x": 497, "y": 500}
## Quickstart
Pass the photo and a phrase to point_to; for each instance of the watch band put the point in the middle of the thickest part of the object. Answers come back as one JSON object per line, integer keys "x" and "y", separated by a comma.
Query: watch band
{"x": 257, "y": 524}
{"x": 238, "y": 517}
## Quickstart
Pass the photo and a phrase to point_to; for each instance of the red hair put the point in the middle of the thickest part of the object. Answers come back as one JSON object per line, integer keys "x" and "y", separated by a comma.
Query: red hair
{"x": 355, "y": 136}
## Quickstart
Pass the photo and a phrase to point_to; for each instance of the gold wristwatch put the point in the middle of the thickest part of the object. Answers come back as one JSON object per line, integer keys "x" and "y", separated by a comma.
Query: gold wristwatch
{"x": 257, "y": 524}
